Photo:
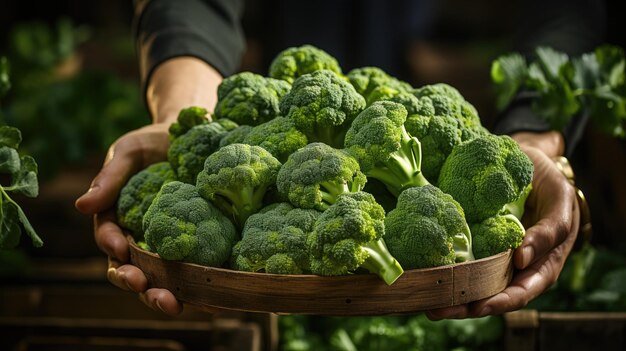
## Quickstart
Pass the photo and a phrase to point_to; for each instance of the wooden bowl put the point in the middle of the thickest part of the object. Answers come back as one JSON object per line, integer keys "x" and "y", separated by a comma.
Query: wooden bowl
{"x": 357, "y": 294}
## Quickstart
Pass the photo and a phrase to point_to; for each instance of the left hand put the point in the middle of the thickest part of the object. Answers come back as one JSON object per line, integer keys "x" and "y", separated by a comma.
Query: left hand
{"x": 552, "y": 217}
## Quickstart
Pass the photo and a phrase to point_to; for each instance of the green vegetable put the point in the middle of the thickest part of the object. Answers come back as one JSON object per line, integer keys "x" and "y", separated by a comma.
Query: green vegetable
{"x": 485, "y": 174}
{"x": 138, "y": 193}
{"x": 442, "y": 120}
{"x": 180, "y": 225}
{"x": 497, "y": 234}
{"x": 274, "y": 240}
{"x": 562, "y": 86}
{"x": 235, "y": 136}
{"x": 236, "y": 178}
{"x": 322, "y": 105}
{"x": 405, "y": 98}
{"x": 294, "y": 62}
{"x": 427, "y": 229}
{"x": 187, "y": 119}
{"x": 278, "y": 136}
{"x": 249, "y": 99}
{"x": 187, "y": 152}
{"x": 349, "y": 235}
{"x": 315, "y": 175}
{"x": 367, "y": 79}
{"x": 384, "y": 149}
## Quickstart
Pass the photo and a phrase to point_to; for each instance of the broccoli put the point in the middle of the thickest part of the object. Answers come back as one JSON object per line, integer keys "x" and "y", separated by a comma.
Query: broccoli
{"x": 349, "y": 235}
{"x": 182, "y": 226}
{"x": 138, "y": 193}
{"x": 367, "y": 79}
{"x": 315, "y": 175}
{"x": 235, "y": 136}
{"x": 439, "y": 127}
{"x": 278, "y": 136}
{"x": 249, "y": 98}
{"x": 384, "y": 149}
{"x": 485, "y": 174}
{"x": 497, "y": 234}
{"x": 187, "y": 152}
{"x": 274, "y": 240}
{"x": 322, "y": 105}
{"x": 187, "y": 119}
{"x": 236, "y": 178}
{"x": 406, "y": 99}
{"x": 427, "y": 229}
{"x": 294, "y": 62}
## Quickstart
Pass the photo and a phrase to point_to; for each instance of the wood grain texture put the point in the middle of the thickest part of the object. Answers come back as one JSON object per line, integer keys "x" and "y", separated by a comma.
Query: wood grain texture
{"x": 357, "y": 294}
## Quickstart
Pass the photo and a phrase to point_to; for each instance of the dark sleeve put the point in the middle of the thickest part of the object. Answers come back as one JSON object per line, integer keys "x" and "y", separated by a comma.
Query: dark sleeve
{"x": 570, "y": 26}
{"x": 209, "y": 30}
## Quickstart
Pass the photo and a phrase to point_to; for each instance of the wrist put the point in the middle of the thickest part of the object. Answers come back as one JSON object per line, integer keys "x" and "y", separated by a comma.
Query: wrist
{"x": 550, "y": 143}
{"x": 179, "y": 83}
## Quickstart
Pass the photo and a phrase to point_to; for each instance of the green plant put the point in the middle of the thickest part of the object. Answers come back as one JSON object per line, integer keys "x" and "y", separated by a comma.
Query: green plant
{"x": 294, "y": 62}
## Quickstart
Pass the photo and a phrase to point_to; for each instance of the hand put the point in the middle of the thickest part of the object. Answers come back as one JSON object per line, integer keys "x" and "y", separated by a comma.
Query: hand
{"x": 552, "y": 218}
{"x": 127, "y": 156}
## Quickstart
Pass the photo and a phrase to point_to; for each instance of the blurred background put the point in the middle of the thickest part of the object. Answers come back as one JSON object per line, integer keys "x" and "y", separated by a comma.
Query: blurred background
{"x": 75, "y": 89}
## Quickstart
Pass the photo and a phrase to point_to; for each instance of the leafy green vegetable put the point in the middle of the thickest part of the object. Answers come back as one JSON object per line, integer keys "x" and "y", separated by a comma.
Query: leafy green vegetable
{"x": 564, "y": 86}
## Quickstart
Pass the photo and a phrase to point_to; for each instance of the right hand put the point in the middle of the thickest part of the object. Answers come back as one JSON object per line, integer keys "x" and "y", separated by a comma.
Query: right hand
{"x": 128, "y": 155}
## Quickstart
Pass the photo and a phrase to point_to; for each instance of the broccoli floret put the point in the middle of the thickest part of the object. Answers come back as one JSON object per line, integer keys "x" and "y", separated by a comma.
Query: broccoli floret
{"x": 274, "y": 240}
{"x": 406, "y": 99}
{"x": 497, "y": 234}
{"x": 384, "y": 149}
{"x": 236, "y": 178}
{"x": 250, "y": 99}
{"x": 315, "y": 175}
{"x": 349, "y": 235}
{"x": 182, "y": 226}
{"x": 367, "y": 79}
{"x": 138, "y": 193}
{"x": 322, "y": 105}
{"x": 485, "y": 174}
{"x": 187, "y": 152}
{"x": 188, "y": 118}
{"x": 294, "y": 62}
{"x": 278, "y": 136}
{"x": 235, "y": 136}
{"x": 427, "y": 229}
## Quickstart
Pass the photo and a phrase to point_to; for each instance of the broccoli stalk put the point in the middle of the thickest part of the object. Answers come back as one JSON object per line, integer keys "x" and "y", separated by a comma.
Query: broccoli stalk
{"x": 380, "y": 261}
{"x": 241, "y": 202}
{"x": 516, "y": 208}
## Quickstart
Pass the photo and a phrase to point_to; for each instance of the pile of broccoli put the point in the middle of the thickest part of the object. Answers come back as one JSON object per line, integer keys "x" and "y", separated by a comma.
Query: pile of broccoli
{"x": 310, "y": 171}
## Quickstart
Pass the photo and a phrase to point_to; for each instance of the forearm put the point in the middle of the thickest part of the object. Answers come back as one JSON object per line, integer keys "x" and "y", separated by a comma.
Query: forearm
{"x": 178, "y": 83}
{"x": 550, "y": 142}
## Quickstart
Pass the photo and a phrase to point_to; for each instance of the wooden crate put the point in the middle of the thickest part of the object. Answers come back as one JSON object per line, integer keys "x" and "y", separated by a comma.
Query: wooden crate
{"x": 530, "y": 330}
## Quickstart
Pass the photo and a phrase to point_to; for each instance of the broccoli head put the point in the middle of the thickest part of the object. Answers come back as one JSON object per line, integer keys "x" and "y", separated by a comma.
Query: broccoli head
{"x": 250, "y": 99}
{"x": 497, "y": 234}
{"x": 384, "y": 149}
{"x": 322, "y": 105}
{"x": 235, "y": 136}
{"x": 485, "y": 174}
{"x": 182, "y": 226}
{"x": 187, "y": 118}
{"x": 187, "y": 152}
{"x": 349, "y": 236}
{"x": 367, "y": 79}
{"x": 294, "y": 62}
{"x": 406, "y": 99}
{"x": 274, "y": 240}
{"x": 138, "y": 193}
{"x": 427, "y": 229}
{"x": 236, "y": 178}
{"x": 278, "y": 136}
{"x": 315, "y": 175}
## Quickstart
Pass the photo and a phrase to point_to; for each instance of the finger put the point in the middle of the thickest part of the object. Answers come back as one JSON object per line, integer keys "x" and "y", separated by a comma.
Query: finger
{"x": 161, "y": 300}
{"x": 552, "y": 228}
{"x": 127, "y": 277}
{"x": 109, "y": 236}
{"x": 122, "y": 162}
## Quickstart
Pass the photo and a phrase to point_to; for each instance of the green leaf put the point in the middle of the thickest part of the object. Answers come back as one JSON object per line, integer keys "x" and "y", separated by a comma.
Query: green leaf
{"x": 612, "y": 63}
{"x": 25, "y": 180}
{"x": 10, "y": 231}
{"x": 37, "y": 242}
{"x": 508, "y": 73}
{"x": 10, "y": 136}
{"x": 586, "y": 72}
{"x": 551, "y": 61}
{"x": 9, "y": 160}
{"x": 5, "y": 82}
{"x": 607, "y": 111}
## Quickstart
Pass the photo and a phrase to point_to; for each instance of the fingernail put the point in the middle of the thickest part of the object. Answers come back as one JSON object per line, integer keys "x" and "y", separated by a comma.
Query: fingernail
{"x": 156, "y": 302}
{"x": 527, "y": 255}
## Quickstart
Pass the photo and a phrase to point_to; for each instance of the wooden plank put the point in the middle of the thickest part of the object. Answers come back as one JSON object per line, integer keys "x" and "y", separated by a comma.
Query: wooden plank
{"x": 482, "y": 278}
